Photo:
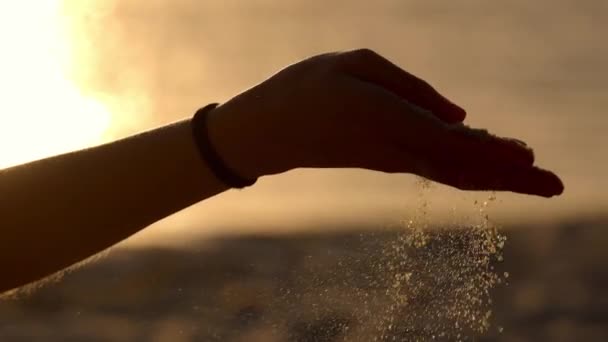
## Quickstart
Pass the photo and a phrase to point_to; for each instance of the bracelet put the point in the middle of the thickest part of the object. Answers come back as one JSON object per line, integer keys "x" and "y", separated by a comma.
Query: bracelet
{"x": 209, "y": 154}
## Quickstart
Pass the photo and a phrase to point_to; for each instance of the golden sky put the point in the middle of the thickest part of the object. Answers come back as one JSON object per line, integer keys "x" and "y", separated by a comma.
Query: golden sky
{"x": 42, "y": 111}
{"x": 76, "y": 73}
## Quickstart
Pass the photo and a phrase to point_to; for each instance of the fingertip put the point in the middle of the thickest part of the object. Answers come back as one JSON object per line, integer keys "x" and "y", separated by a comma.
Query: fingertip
{"x": 549, "y": 184}
{"x": 459, "y": 113}
{"x": 558, "y": 185}
{"x": 452, "y": 114}
{"x": 456, "y": 113}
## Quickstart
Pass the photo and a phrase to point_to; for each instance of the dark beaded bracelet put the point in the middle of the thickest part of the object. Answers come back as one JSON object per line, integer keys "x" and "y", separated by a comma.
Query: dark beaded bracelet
{"x": 209, "y": 154}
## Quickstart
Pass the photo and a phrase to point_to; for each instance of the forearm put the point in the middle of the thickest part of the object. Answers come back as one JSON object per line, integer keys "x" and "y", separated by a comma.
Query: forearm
{"x": 353, "y": 109}
{"x": 75, "y": 205}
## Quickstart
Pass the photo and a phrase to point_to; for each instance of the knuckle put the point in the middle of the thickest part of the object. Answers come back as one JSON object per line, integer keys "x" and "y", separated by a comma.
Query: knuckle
{"x": 352, "y": 59}
{"x": 323, "y": 64}
{"x": 422, "y": 84}
{"x": 364, "y": 54}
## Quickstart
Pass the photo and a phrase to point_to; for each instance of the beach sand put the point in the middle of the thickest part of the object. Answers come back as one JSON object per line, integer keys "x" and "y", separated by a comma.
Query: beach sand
{"x": 317, "y": 287}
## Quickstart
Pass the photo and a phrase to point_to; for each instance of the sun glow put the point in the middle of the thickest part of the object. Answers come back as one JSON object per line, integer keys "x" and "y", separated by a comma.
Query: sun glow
{"x": 42, "y": 112}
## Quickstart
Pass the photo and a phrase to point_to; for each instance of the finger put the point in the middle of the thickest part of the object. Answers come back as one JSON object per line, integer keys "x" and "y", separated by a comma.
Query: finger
{"x": 454, "y": 155}
{"x": 473, "y": 159}
{"x": 516, "y": 178}
{"x": 466, "y": 143}
{"x": 533, "y": 181}
{"x": 485, "y": 175}
{"x": 368, "y": 66}
{"x": 493, "y": 163}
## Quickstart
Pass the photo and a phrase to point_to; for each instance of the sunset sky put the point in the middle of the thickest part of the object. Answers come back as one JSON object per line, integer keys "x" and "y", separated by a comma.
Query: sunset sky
{"x": 79, "y": 73}
{"x": 43, "y": 112}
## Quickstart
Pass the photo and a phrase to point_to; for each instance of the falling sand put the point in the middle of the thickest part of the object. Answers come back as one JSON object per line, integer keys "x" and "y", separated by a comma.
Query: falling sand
{"x": 442, "y": 278}
{"x": 417, "y": 283}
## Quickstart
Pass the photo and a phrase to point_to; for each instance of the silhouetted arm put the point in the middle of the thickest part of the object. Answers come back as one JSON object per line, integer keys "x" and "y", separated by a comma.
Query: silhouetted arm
{"x": 353, "y": 109}
{"x": 57, "y": 211}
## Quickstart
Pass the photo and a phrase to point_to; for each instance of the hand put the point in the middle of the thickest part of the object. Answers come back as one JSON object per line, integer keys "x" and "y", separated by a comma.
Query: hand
{"x": 357, "y": 109}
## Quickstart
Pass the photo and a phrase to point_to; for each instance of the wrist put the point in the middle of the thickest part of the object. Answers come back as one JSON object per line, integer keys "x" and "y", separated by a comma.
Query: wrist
{"x": 233, "y": 143}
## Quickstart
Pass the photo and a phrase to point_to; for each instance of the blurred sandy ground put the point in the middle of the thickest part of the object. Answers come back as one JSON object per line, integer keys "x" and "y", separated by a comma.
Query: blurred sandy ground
{"x": 530, "y": 69}
{"x": 319, "y": 288}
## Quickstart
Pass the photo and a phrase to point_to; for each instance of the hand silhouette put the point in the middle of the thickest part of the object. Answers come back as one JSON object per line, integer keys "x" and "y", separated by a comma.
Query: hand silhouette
{"x": 357, "y": 109}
